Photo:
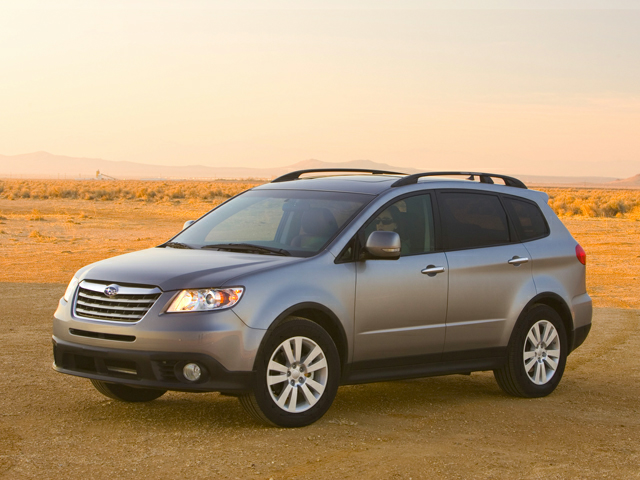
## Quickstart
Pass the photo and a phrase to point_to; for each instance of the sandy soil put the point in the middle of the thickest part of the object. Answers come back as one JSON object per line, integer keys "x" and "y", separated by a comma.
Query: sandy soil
{"x": 58, "y": 426}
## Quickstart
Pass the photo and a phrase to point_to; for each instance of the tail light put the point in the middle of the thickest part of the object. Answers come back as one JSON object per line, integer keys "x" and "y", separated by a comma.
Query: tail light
{"x": 581, "y": 255}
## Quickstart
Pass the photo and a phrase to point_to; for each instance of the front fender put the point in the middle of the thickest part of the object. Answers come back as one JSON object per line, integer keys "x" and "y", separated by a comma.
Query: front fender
{"x": 272, "y": 295}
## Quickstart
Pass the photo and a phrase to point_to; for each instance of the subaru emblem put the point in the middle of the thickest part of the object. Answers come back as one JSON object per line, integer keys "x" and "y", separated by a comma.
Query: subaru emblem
{"x": 111, "y": 290}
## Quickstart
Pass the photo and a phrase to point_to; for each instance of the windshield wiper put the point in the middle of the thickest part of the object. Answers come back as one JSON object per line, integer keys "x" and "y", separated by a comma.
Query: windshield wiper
{"x": 248, "y": 247}
{"x": 176, "y": 245}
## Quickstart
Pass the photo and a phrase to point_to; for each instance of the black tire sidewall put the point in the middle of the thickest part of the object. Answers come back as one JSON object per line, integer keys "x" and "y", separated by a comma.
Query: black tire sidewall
{"x": 126, "y": 393}
{"x": 296, "y": 327}
{"x": 516, "y": 357}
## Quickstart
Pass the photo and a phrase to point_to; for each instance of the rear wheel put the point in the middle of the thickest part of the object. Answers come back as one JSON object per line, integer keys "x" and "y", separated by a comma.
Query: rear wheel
{"x": 297, "y": 375}
{"x": 125, "y": 393}
{"x": 537, "y": 355}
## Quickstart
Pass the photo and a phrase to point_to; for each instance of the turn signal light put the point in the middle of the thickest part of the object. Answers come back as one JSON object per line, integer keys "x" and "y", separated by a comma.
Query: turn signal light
{"x": 581, "y": 254}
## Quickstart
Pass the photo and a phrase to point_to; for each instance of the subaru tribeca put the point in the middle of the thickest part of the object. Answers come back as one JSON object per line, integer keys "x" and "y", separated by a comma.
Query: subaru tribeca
{"x": 290, "y": 289}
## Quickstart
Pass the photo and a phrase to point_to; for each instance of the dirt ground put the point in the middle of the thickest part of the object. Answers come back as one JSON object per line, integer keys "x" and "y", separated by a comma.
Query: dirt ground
{"x": 58, "y": 426}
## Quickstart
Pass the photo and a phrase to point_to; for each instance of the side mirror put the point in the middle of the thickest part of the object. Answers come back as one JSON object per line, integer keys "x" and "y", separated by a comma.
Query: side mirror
{"x": 188, "y": 223}
{"x": 381, "y": 244}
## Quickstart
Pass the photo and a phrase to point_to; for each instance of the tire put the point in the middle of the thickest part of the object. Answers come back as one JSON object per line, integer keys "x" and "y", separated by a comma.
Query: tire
{"x": 297, "y": 375}
{"x": 125, "y": 393}
{"x": 536, "y": 355}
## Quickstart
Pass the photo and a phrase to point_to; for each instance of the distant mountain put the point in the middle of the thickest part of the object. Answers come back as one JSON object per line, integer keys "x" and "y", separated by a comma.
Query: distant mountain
{"x": 47, "y": 165}
{"x": 627, "y": 182}
{"x": 368, "y": 164}
{"x": 559, "y": 181}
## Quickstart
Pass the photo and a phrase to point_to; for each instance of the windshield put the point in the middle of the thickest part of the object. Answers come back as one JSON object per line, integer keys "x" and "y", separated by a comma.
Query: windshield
{"x": 291, "y": 222}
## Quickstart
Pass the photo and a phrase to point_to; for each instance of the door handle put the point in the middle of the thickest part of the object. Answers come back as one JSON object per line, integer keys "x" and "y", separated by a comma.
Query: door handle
{"x": 517, "y": 260}
{"x": 432, "y": 270}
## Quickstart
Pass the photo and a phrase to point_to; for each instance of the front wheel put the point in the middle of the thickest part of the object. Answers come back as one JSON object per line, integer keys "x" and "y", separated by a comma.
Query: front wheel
{"x": 297, "y": 375}
{"x": 536, "y": 356}
{"x": 125, "y": 393}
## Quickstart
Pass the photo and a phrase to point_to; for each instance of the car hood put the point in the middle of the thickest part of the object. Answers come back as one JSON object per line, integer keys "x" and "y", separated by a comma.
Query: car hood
{"x": 175, "y": 269}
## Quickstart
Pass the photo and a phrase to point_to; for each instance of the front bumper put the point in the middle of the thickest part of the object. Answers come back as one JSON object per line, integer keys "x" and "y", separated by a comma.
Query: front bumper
{"x": 220, "y": 335}
{"x": 162, "y": 370}
{"x": 152, "y": 351}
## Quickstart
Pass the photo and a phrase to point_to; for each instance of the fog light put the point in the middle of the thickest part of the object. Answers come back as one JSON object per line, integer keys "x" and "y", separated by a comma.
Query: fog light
{"x": 192, "y": 372}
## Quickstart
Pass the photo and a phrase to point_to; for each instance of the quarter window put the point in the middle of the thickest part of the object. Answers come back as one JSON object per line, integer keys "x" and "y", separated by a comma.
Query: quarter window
{"x": 527, "y": 218}
{"x": 472, "y": 220}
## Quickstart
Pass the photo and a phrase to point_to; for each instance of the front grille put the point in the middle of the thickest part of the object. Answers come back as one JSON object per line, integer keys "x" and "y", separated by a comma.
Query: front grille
{"x": 129, "y": 305}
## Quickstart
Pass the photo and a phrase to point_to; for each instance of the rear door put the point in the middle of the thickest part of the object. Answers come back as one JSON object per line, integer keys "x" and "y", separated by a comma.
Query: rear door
{"x": 490, "y": 277}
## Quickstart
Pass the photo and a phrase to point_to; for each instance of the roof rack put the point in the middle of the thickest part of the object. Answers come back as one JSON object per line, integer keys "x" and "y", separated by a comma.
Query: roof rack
{"x": 484, "y": 178}
{"x": 296, "y": 175}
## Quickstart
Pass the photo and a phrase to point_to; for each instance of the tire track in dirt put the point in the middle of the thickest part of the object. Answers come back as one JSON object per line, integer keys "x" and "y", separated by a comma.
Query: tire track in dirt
{"x": 9, "y": 445}
{"x": 623, "y": 326}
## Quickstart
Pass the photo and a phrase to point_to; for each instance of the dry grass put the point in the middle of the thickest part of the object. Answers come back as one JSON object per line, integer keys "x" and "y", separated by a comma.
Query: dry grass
{"x": 587, "y": 202}
{"x": 36, "y": 216}
{"x": 39, "y": 237}
{"x": 150, "y": 191}
{"x": 566, "y": 202}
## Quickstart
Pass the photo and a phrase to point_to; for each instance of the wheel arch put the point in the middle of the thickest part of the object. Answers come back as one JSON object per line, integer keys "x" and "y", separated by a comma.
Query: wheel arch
{"x": 555, "y": 301}
{"x": 321, "y": 315}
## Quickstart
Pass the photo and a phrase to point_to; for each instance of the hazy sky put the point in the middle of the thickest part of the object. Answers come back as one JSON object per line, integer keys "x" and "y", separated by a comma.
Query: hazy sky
{"x": 484, "y": 85}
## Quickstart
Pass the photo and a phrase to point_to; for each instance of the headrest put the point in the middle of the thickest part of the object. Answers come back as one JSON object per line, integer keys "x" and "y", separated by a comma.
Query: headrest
{"x": 319, "y": 222}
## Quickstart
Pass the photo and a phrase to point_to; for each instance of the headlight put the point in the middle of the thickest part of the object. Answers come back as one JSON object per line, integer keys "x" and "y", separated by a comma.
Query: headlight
{"x": 71, "y": 289}
{"x": 206, "y": 300}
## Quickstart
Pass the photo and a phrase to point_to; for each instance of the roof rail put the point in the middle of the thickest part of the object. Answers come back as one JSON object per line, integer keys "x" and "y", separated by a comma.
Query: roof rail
{"x": 295, "y": 175}
{"x": 484, "y": 178}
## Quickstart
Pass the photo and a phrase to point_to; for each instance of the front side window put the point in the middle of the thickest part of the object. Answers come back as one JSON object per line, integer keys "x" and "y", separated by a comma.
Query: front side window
{"x": 293, "y": 222}
{"x": 472, "y": 220}
{"x": 412, "y": 219}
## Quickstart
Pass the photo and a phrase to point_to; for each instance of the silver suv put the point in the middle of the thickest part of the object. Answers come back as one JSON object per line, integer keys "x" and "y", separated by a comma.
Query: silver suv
{"x": 312, "y": 281}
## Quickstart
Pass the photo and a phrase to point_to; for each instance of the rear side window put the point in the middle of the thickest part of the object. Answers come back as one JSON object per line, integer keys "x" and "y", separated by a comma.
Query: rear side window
{"x": 472, "y": 220}
{"x": 527, "y": 218}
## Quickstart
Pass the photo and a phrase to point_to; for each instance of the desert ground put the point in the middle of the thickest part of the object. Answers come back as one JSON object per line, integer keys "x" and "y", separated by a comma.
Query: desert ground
{"x": 58, "y": 426}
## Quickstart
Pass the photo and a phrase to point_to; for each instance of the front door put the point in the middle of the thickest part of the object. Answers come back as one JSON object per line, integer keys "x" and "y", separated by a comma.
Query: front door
{"x": 400, "y": 311}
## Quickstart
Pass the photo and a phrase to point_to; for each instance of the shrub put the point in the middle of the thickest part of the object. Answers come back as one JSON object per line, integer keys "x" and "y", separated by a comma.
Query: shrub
{"x": 36, "y": 216}
{"x": 585, "y": 202}
{"x": 593, "y": 202}
{"x": 149, "y": 191}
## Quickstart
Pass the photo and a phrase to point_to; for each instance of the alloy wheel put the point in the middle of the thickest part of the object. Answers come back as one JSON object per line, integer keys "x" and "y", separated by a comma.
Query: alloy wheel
{"x": 297, "y": 374}
{"x": 541, "y": 354}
